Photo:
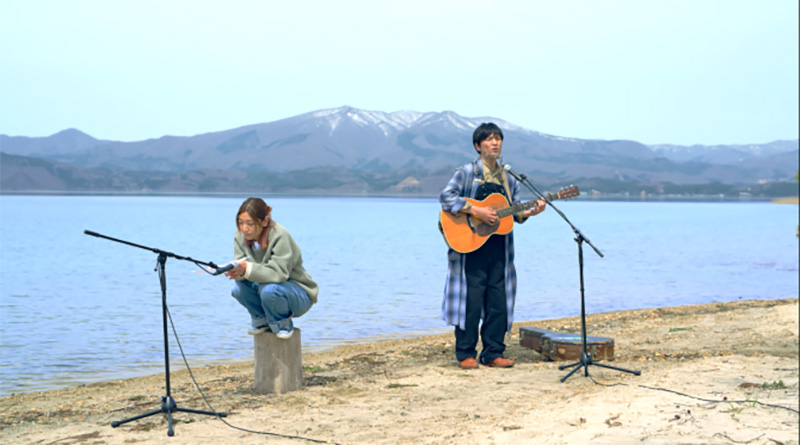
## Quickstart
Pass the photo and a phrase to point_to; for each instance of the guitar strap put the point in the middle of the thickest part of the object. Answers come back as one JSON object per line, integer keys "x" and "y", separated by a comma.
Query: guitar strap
{"x": 508, "y": 192}
{"x": 508, "y": 197}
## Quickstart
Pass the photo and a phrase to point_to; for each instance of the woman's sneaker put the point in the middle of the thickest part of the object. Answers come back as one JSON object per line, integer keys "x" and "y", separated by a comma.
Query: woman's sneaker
{"x": 285, "y": 332}
{"x": 259, "y": 330}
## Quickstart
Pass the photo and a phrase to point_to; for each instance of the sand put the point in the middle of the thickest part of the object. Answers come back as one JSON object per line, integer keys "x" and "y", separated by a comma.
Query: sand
{"x": 715, "y": 373}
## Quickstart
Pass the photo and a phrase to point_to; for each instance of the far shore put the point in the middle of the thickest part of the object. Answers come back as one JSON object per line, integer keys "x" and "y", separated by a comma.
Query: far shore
{"x": 786, "y": 200}
{"x": 711, "y": 373}
{"x": 610, "y": 197}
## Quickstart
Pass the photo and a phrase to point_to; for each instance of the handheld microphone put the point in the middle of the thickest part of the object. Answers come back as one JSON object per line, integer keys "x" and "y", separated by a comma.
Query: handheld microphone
{"x": 226, "y": 267}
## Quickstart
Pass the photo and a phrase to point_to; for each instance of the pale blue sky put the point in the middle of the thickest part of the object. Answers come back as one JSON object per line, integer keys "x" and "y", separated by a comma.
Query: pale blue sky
{"x": 678, "y": 71}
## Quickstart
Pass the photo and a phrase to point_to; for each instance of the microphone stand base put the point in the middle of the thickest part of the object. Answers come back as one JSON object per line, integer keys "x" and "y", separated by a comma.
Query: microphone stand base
{"x": 168, "y": 406}
{"x": 585, "y": 362}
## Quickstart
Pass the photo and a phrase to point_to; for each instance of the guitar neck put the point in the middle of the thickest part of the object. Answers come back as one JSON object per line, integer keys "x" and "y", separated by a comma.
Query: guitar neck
{"x": 502, "y": 213}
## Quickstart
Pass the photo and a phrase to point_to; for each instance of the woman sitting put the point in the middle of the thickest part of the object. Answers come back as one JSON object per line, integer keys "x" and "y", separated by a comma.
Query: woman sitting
{"x": 271, "y": 282}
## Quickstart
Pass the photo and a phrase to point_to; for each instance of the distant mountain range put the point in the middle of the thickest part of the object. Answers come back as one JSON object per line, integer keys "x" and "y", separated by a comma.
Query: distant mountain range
{"x": 353, "y": 150}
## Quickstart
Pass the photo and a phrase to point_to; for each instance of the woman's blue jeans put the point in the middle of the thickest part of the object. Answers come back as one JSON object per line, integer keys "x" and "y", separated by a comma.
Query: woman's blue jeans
{"x": 272, "y": 304}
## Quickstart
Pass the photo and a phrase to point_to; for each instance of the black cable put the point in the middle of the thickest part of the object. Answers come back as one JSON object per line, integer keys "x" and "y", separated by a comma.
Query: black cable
{"x": 203, "y": 269}
{"x": 606, "y": 384}
{"x": 698, "y": 398}
{"x": 174, "y": 332}
{"x": 720, "y": 401}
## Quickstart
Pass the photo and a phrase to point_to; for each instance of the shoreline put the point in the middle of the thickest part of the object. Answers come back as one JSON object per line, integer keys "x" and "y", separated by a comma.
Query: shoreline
{"x": 603, "y": 197}
{"x": 177, "y": 364}
{"x": 411, "y": 390}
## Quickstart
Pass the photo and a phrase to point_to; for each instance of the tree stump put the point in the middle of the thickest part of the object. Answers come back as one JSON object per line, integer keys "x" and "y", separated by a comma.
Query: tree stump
{"x": 278, "y": 363}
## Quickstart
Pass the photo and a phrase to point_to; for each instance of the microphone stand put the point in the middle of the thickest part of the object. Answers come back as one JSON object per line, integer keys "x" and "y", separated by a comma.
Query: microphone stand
{"x": 168, "y": 404}
{"x": 586, "y": 358}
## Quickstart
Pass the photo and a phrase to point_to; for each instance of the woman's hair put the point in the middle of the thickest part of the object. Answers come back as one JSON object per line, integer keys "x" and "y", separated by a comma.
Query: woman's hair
{"x": 256, "y": 208}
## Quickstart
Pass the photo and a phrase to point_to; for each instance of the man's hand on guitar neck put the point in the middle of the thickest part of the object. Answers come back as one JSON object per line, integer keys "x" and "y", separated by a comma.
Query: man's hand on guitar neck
{"x": 486, "y": 214}
{"x": 537, "y": 209}
{"x": 489, "y": 215}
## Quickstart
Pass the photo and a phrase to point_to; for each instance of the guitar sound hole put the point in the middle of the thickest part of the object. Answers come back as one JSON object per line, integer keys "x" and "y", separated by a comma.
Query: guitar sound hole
{"x": 486, "y": 230}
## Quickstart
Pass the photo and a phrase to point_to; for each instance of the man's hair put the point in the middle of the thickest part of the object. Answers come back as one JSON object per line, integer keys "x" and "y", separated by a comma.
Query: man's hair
{"x": 484, "y": 131}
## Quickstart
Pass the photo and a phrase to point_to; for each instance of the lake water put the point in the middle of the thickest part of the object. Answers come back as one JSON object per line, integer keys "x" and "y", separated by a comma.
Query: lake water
{"x": 76, "y": 308}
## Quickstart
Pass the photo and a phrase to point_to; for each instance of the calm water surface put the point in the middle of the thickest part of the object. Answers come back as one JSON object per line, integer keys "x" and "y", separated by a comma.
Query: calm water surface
{"x": 76, "y": 308}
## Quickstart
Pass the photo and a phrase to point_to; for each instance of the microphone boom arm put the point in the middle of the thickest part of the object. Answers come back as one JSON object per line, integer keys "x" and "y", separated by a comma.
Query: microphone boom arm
{"x": 524, "y": 181}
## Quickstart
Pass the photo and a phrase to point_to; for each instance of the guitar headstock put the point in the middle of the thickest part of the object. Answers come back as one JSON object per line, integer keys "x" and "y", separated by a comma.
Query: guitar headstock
{"x": 568, "y": 192}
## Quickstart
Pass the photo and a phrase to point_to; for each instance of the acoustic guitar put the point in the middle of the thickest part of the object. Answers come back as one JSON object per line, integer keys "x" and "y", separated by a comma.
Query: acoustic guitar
{"x": 465, "y": 233}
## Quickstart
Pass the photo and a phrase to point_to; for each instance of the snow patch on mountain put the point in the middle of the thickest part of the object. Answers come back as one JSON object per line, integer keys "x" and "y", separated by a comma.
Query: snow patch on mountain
{"x": 722, "y": 153}
{"x": 399, "y": 121}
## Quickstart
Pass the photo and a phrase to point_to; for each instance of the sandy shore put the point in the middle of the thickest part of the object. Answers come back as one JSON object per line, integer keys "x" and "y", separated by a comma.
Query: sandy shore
{"x": 710, "y": 374}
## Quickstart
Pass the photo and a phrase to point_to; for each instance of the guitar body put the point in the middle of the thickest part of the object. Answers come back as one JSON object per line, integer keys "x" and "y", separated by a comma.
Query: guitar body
{"x": 465, "y": 233}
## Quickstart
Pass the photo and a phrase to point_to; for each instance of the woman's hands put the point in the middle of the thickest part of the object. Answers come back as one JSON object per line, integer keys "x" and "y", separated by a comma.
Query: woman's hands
{"x": 238, "y": 271}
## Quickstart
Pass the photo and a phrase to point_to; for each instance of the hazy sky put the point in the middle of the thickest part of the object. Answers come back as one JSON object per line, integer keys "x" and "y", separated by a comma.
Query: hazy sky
{"x": 656, "y": 71}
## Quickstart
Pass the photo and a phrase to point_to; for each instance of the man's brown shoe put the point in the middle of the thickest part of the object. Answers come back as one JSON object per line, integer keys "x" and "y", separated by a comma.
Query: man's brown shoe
{"x": 468, "y": 363}
{"x": 500, "y": 362}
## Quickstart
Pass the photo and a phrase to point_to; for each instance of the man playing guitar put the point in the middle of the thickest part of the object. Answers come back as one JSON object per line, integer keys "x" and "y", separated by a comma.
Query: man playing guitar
{"x": 481, "y": 284}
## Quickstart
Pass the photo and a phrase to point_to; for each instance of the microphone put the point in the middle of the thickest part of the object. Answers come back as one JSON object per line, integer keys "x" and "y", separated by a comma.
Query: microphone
{"x": 513, "y": 173}
{"x": 226, "y": 267}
